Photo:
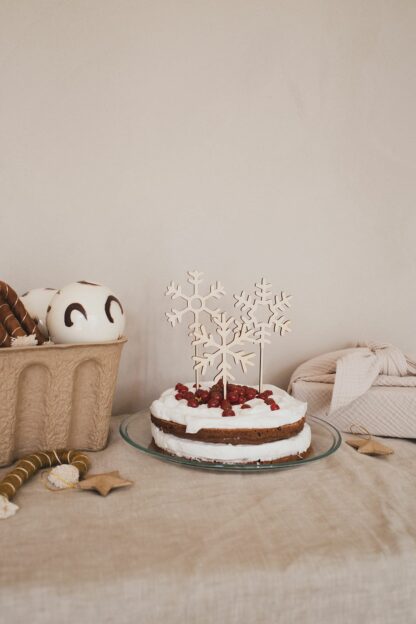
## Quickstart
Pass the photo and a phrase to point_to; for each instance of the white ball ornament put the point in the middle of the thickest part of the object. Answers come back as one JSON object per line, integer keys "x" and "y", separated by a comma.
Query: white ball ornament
{"x": 36, "y": 302}
{"x": 85, "y": 312}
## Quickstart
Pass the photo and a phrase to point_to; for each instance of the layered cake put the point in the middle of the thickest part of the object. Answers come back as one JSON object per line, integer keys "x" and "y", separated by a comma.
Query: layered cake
{"x": 245, "y": 427}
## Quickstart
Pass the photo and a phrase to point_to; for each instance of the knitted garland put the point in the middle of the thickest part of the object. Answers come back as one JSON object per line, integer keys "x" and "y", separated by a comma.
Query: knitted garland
{"x": 62, "y": 476}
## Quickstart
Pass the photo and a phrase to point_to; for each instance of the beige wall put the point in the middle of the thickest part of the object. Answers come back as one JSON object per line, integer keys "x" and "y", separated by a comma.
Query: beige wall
{"x": 139, "y": 139}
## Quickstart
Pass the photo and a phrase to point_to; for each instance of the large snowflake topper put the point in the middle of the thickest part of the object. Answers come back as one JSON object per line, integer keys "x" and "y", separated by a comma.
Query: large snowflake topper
{"x": 195, "y": 304}
{"x": 231, "y": 335}
{"x": 265, "y": 315}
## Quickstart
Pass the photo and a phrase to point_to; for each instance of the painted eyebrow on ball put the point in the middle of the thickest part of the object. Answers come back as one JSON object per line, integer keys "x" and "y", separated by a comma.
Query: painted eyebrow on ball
{"x": 70, "y": 309}
{"x": 108, "y": 303}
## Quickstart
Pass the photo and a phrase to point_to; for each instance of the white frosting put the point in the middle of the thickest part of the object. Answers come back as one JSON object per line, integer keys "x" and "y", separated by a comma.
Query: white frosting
{"x": 233, "y": 454}
{"x": 260, "y": 416}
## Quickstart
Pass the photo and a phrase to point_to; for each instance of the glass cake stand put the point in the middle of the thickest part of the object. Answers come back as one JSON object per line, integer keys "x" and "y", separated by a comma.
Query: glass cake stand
{"x": 326, "y": 439}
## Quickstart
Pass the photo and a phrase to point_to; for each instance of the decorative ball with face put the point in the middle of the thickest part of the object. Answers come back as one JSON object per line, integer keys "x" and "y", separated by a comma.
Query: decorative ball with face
{"x": 36, "y": 302}
{"x": 85, "y": 312}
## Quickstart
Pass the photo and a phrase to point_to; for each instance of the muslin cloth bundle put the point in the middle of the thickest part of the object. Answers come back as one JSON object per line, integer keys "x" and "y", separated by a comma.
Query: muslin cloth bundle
{"x": 371, "y": 384}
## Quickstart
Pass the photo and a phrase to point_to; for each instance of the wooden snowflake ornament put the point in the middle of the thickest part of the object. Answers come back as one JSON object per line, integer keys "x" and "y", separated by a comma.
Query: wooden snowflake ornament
{"x": 196, "y": 304}
{"x": 231, "y": 334}
{"x": 264, "y": 315}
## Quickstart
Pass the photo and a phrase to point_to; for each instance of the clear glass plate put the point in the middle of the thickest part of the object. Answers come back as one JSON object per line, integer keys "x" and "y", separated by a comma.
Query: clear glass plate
{"x": 326, "y": 439}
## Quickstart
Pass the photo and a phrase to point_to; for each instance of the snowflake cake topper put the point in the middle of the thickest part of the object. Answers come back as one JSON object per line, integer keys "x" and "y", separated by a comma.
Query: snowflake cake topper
{"x": 231, "y": 334}
{"x": 264, "y": 315}
{"x": 196, "y": 304}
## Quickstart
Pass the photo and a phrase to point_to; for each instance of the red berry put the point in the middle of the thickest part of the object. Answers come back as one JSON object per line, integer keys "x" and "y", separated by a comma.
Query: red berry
{"x": 274, "y": 407}
{"x": 228, "y": 412}
{"x": 213, "y": 403}
{"x": 269, "y": 401}
{"x": 202, "y": 394}
{"x": 251, "y": 394}
{"x": 245, "y": 406}
{"x": 189, "y": 396}
{"x": 215, "y": 393}
{"x": 234, "y": 399}
{"x": 193, "y": 403}
{"x": 179, "y": 396}
{"x": 225, "y": 404}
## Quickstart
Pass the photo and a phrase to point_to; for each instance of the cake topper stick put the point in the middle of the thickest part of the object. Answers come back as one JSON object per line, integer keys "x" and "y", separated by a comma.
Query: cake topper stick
{"x": 195, "y": 304}
{"x": 231, "y": 334}
{"x": 271, "y": 320}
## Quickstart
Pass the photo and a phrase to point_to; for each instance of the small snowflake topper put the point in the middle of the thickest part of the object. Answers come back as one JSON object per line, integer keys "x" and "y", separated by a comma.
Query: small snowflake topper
{"x": 264, "y": 314}
{"x": 196, "y": 304}
{"x": 231, "y": 334}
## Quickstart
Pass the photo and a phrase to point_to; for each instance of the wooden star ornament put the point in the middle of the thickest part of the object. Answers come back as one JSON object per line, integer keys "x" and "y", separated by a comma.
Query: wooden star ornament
{"x": 104, "y": 483}
{"x": 369, "y": 446}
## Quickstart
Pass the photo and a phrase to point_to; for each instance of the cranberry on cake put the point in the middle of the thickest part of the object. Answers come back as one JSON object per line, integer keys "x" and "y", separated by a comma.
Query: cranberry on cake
{"x": 245, "y": 427}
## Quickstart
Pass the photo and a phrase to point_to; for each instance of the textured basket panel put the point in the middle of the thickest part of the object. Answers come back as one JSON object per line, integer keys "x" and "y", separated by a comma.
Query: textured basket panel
{"x": 56, "y": 396}
{"x": 33, "y": 385}
{"x": 85, "y": 402}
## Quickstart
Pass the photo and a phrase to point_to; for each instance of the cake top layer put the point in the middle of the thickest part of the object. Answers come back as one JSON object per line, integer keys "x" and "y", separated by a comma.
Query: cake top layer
{"x": 258, "y": 416}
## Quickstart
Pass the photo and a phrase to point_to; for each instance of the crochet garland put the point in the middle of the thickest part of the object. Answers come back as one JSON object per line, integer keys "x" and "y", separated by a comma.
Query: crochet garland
{"x": 70, "y": 466}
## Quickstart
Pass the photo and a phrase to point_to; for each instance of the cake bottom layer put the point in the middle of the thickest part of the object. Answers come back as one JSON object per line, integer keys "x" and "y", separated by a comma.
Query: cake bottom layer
{"x": 295, "y": 447}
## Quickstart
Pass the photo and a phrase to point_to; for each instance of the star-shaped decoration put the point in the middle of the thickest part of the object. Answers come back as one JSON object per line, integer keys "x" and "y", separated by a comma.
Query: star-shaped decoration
{"x": 104, "y": 483}
{"x": 369, "y": 446}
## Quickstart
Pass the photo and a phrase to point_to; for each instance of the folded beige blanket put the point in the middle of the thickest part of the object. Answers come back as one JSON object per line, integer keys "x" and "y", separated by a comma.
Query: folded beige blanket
{"x": 372, "y": 384}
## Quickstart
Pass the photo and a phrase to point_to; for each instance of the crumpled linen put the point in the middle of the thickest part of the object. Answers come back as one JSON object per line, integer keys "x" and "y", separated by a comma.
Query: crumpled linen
{"x": 332, "y": 541}
{"x": 373, "y": 384}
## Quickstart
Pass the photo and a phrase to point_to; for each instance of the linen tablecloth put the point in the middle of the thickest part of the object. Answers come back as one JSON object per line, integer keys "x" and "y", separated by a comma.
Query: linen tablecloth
{"x": 333, "y": 541}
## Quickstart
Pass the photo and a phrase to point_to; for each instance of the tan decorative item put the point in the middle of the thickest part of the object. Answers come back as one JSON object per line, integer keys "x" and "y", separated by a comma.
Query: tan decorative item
{"x": 264, "y": 315}
{"x": 367, "y": 445}
{"x": 196, "y": 304}
{"x": 29, "y": 465}
{"x": 16, "y": 325}
{"x": 56, "y": 396}
{"x": 104, "y": 483}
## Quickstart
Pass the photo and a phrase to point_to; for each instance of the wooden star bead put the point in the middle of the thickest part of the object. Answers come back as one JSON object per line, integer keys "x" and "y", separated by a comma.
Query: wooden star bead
{"x": 104, "y": 483}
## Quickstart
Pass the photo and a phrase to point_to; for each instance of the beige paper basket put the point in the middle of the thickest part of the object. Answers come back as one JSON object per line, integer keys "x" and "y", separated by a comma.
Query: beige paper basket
{"x": 56, "y": 396}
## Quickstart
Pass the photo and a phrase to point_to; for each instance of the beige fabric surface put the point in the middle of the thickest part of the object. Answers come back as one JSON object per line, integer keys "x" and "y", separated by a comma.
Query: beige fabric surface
{"x": 372, "y": 384}
{"x": 334, "y": 541}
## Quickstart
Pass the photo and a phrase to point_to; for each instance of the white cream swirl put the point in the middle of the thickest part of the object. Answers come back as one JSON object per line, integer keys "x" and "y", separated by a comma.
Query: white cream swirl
{"x": 260, "y": 416}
